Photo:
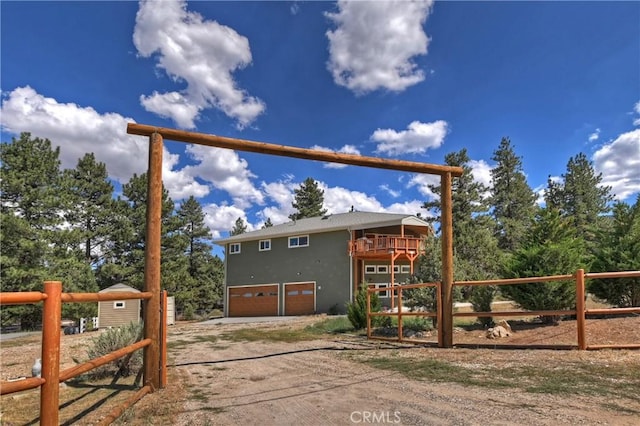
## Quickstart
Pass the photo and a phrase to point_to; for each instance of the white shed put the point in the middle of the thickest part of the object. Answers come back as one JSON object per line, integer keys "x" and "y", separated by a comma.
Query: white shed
{"x": 118, "y": 312}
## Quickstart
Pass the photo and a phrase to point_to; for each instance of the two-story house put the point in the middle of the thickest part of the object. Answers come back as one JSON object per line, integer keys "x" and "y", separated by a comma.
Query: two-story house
{"x": 315, "y": 265}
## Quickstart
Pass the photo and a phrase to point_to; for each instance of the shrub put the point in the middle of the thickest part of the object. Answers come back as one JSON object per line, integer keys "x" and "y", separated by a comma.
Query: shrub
{"x": 416, "y": 324}
{"x": 481, "y": 299}
{"x": 357, "y": 310}
{"x": 112, "y": 340}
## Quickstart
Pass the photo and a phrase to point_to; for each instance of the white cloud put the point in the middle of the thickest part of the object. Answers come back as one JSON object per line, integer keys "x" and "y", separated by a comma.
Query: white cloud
{"x": 346, "y": 149}
{"x": 619, "y": 163}
{"x": 391, "y": 192}
{"x": 594, "y": 136}
{"x": 636, "y": 109}
{"x": 423, "y": 181}
{"x": 481, "y": 172}
{"x": 79, "y": 130}
{"x": 375, "y": 42}
{"x": 418, "y": 138}
{"x": 201, "y": 53}
{"x": 222, "y": 218}
{"x": 226, "y": 171}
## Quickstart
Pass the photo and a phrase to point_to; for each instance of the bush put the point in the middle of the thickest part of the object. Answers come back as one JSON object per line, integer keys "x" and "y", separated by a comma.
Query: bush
{"x": 416, "y": 324}
{"x": 112, "y": 340}
{"x": 357, "y": 310}
{"x": 481, "y": 299}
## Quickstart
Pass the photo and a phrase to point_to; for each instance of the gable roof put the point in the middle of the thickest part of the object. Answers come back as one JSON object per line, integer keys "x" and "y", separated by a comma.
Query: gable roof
{"x": 335, "y": 222}
{"x": 119, "y": 287}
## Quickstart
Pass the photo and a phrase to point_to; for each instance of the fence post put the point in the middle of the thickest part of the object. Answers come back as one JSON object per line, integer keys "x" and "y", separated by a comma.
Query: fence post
{"x": 580, "y": 309}
{"x": 51, "y": 324}
{"x": 368, "y": 314}
{"x": 152, "y": 263}
{"x": 445, "y": 326}
{"x": 163, "y": 334}
{"x": 400, "y": 314}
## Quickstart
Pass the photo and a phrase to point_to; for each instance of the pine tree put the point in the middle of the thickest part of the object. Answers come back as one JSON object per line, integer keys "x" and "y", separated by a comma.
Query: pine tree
{"x": 30, "y": 203}
{"x": 549, "y": 248}
{"x": 581, "y": 197}
{"x": 618, "y": 249}
{"x": 512, "y": 199}
{"x": 239, "y": 228}
{"x": 204, "y": 289}
{"x": 90, "y": 212}
{"x": 267, "y": 223}
{"x": 309, "y": 199}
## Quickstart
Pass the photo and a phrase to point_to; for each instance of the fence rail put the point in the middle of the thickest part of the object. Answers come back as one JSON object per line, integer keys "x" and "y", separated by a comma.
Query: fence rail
{"x": 51, "y": 325}
{"x": 580, "y": 311}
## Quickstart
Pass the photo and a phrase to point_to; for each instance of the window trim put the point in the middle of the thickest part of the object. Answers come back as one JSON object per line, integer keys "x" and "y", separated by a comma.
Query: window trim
{"x": 119, "y": 304}
{"x": 260, "y": 245}
{"x": 297, "y": 238}
{"x": 369, "y": 271}
{"x": 232, "y": 251}
{"x": 382, "y": 269}
{"x": 405, "y": 269}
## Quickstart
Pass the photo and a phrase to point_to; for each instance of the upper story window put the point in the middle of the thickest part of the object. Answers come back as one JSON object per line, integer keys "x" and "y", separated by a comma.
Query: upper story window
{"x": 299, "y": 241}
{"x": 264, "y": 245}
{"x": 234, "y": 248}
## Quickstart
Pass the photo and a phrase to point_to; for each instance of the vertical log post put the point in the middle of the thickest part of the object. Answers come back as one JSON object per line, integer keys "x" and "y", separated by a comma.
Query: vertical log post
{"x": 400, "y": 314}
{"x": 368, "y": 313}
{"x": 51, "y": 325}
{"x": 580, "y": 309}
{"x": 439, "y": 313}
{"x": 152, "y": 263}
{"x": 163, "y": 327}
{"x": 445, "y": 326}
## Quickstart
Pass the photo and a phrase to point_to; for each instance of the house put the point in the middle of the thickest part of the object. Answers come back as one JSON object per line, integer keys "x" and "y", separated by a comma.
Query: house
{"x": 315, "y": 265}
{"x": 118, "y": 312}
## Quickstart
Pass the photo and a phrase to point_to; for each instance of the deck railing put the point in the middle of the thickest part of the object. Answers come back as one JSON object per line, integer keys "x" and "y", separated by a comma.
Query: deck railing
{"x": 382, "y": 244}
{"x": 51, "y": 376}
{"x": 580, "y": 311}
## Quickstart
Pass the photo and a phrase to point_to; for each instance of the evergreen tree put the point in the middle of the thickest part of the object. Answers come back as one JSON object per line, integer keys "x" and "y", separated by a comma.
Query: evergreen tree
{"x": 204, "y": 287}
{"x": 125, "y": 261}
{"x": 619, "y": 250}
{"x": 512, "y": 199}
{"x": 239, "y": 228}
{"x": 580, "y": 197}
{"x": 30, "y": 200}
{"x": 267, "y": 223}
{"x": 90, "y": 212}
{"x": 309, "y": 200}
{"x": 476, "y": 253}
{"x": 549, "y": 248}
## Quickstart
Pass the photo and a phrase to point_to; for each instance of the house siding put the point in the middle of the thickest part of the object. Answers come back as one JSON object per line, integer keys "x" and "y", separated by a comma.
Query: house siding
{"x": 110, "y": 317}
{"x": 325, "y": 261}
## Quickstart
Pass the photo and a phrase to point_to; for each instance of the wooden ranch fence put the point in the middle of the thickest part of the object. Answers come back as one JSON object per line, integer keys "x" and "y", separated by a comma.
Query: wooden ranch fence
{"x": 51, "y": 377}
{"x": 580, "y": 311}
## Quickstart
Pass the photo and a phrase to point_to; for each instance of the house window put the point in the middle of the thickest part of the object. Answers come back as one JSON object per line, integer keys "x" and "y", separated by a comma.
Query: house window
{"x": 396, "y": 269}
{"x": 406, "y": 269}
{"x": 264, "y": 245}
{"x": 383, "y": 269}
{"x": 119, "y": 304}
{"x": 234, "y": 248}
{"x": 383, "y": 293}
{"x": 299, "y": 241}
{"x": 370, "y": 269}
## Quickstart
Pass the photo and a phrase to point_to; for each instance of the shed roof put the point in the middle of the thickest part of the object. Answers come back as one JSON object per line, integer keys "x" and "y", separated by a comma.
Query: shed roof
{"x": 343, "y": 221}
{"x": 119, "y": 287}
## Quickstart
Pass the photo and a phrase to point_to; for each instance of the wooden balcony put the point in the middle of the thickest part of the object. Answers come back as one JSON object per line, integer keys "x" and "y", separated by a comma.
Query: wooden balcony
{"x": 386, "y": 246}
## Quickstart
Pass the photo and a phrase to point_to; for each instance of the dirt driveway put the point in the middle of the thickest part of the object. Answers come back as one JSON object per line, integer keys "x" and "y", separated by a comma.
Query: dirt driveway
{"x": 219, "y": 378}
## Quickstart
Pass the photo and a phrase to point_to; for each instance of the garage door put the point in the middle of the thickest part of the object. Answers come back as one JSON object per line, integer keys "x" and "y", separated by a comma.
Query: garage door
{"x": 299, "y": 299}
{"x": 253, "y": 301}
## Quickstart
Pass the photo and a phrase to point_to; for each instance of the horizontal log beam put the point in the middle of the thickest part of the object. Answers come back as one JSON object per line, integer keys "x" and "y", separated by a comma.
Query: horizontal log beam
{"x": 103, "y": 297}
{"x": 613, "y": 311}
{"x": 621, "y": 274}
{"x": 510, "y": 281}
{"x": 21, "y": 297}
{"x": 514, "y": 313}
{"x": 20, "y": 385}
{"x": 291, "y": 151}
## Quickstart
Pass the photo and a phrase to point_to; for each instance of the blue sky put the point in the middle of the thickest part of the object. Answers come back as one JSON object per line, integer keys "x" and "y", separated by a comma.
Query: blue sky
{"x": 407, "y": 80}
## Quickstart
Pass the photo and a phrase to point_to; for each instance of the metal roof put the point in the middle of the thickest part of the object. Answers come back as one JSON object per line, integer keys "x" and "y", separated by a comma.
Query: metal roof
{"x": 335, "y": 222}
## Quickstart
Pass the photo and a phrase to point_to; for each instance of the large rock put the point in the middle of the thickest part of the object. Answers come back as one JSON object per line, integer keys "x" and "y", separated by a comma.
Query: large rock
{"x": 502, "y": 329}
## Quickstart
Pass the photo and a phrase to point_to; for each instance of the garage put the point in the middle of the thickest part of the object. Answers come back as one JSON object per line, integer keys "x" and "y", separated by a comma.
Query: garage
{"x": 253, "y": 301}
{"x": 299, "y": 298}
